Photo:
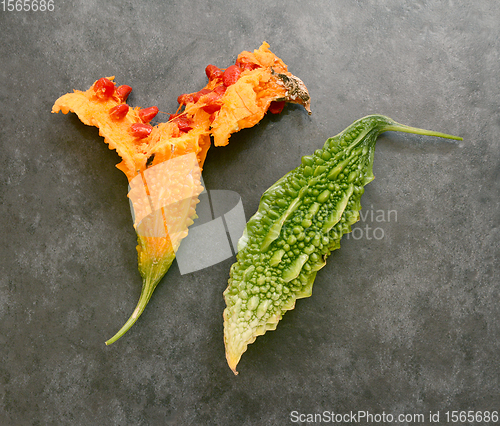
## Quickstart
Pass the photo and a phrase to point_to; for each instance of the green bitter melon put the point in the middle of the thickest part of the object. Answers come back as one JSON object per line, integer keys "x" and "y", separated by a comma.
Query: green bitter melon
{"x": 300, "y": 220}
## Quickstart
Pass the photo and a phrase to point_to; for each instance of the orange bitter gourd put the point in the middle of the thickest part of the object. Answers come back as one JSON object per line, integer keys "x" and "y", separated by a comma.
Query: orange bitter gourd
{"x": 300, "y": 220}
{"x": 163, "y": 162}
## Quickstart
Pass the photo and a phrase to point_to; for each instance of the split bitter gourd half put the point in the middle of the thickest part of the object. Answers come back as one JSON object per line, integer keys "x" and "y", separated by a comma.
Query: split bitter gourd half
{"x": 300, "y": 220}
{"x": 163, "y": 163}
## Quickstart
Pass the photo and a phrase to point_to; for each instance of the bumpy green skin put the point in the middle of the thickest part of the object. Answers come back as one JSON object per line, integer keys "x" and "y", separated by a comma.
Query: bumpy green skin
{"x": 300, "y": 221}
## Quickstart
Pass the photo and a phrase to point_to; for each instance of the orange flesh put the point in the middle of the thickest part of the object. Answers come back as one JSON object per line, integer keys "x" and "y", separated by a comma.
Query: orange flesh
{"x": 243, "y": 105}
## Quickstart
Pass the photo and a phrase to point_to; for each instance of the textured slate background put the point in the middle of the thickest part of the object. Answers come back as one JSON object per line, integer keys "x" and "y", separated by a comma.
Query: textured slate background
{"x": 407, "y": 323}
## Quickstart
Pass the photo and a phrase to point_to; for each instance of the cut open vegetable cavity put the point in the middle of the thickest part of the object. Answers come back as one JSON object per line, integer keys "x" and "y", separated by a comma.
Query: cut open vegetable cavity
{"x": 163, "y": 162}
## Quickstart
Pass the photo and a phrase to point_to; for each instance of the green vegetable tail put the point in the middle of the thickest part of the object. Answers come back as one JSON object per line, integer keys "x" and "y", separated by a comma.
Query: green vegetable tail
{"x": 154, "y": 262}
{"x": 396, "y": 127}
{"x": 147, "y": 291}
{"x": 380, "y": 123}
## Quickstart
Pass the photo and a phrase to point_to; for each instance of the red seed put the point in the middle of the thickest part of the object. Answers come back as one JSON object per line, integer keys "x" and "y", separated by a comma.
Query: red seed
{"x": 220, "y": 89}
{"x": 198, "y": 95}
{"x": 185, "y": 98}
{"x": 247, "y": 65}
{"x": 212, "y": 103}
{"x": 118, "y": 112}
{"x": 184, "y": 123}
{"x": 104, "y": 88}
{"x": 211, "y": 108}
{"x": 123, "y": 91}
{"x": 213, "y": 72}
{"x": 147, "y": 114}
{"x": 231, "y": 75}
{"x": 140, "y": 130}
{"x": 276, "y": 107}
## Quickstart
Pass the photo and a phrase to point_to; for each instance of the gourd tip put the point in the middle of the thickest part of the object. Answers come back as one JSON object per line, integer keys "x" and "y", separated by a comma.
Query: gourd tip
{"x": 232, "y": 361}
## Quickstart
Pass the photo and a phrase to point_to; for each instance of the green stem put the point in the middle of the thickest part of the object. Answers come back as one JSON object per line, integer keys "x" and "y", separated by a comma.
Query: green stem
{"x": 396, "y": 127}
{"x": 147, "y": 290}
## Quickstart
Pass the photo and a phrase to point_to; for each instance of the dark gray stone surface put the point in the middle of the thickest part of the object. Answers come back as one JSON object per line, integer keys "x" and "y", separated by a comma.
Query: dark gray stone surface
{"x": 407, "y": 323}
